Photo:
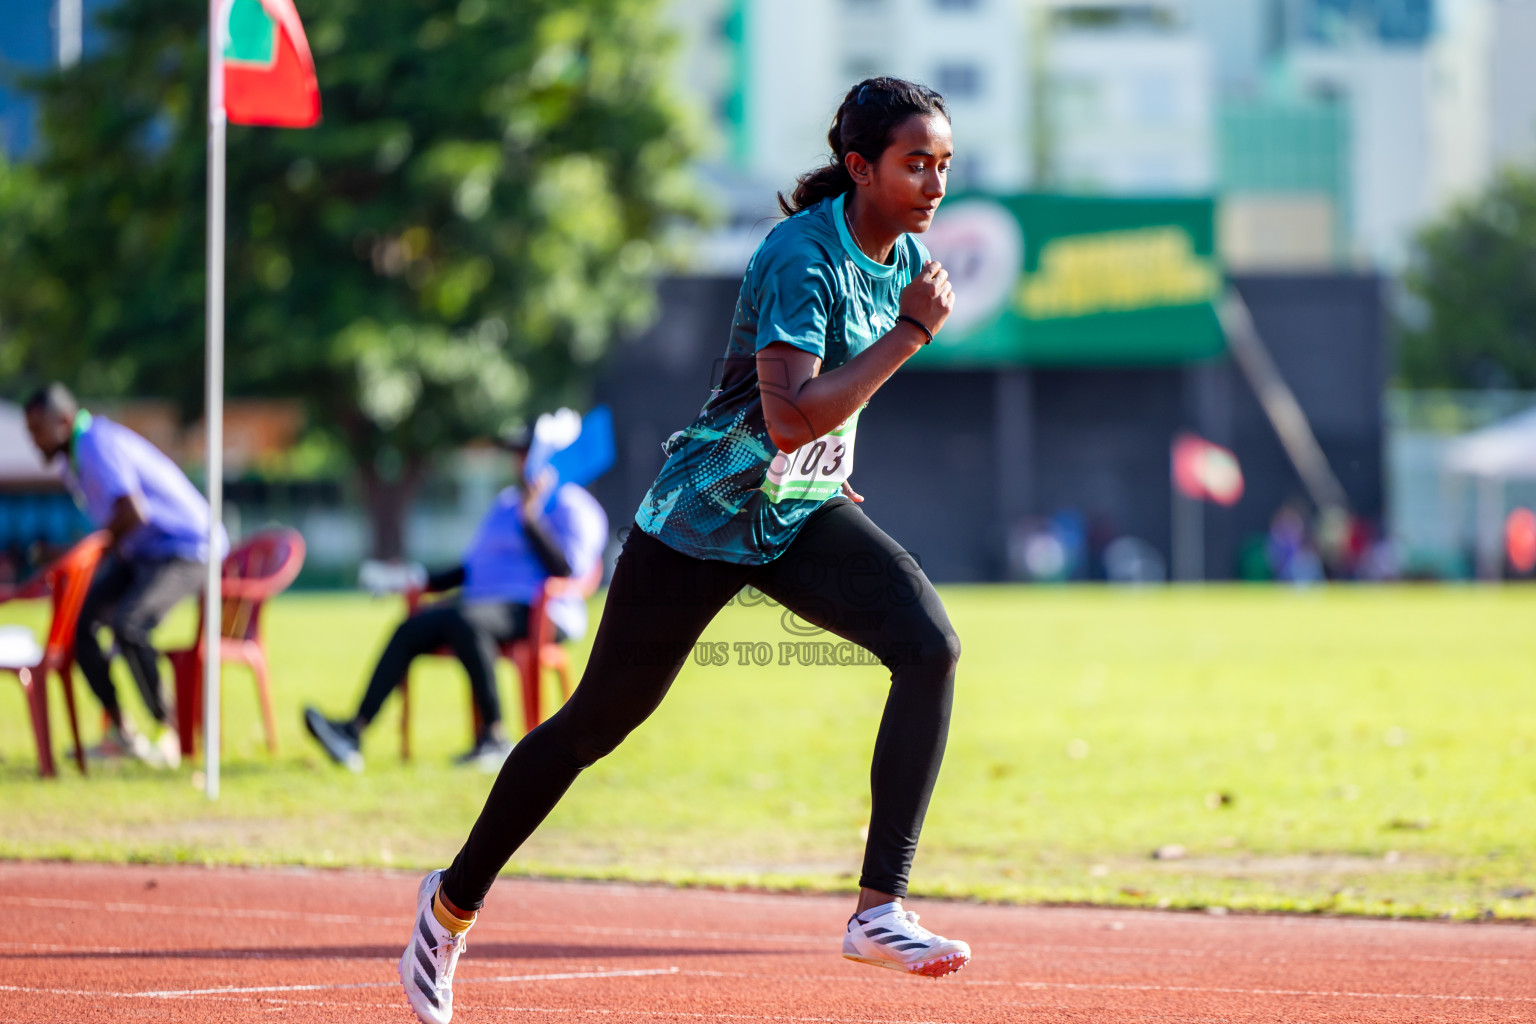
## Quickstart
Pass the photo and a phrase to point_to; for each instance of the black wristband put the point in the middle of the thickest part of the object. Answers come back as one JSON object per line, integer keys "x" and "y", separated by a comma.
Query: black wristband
{"x": 915, "y": 322}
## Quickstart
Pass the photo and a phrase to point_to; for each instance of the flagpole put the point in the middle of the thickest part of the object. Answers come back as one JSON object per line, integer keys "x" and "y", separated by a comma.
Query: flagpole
{"x": 1188, "y": 547}
{"x": 212, "y": 596}
{"x": 71, "y": 32}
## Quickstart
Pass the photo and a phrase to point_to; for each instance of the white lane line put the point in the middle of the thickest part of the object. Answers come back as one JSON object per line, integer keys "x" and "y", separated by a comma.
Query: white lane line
{"x": 639, "y": 973}
{"x": 993, "y": 949}
{"x": 1026, "y": 949}
{"x": 1309, "y": 993}
{"x": 228, "y": 992}
{"x": 144, "y": 953}
{"x": 684, "y": 1014}
{"x": 610, "y": 1013}
{"x": 254, "y": 989}
{"x": 204, "y": 911}
{"x": 88, "y": 993}
{"x": 1009, "y": 948}
{"x": 566, "y": 976}
{"x": 1089, "y": 986}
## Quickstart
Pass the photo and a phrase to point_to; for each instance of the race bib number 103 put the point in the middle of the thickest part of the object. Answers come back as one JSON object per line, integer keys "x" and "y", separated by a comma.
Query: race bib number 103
{"x": 816, "y": 470}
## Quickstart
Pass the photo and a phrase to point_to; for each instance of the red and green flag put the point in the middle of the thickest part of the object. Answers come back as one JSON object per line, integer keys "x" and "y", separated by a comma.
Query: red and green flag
{"x": 269, "y": 75}
{"x": 1205, "y": 471}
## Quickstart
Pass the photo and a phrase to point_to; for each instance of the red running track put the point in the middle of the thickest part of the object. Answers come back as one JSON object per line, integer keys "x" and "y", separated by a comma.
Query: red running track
{"x": 109, "y": 943}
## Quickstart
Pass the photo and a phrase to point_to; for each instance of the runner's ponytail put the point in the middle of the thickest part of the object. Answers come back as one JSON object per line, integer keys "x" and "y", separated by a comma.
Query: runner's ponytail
{"x": 864, "y": 124}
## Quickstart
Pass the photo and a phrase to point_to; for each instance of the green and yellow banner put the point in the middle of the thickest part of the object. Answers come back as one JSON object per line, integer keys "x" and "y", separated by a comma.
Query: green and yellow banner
{"x": 1077, "y": 281}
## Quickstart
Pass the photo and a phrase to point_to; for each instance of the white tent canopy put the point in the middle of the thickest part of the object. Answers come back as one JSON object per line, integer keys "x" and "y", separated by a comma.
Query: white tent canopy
{"x": 20, "y": 462}
{"x": 1504, "y": 451}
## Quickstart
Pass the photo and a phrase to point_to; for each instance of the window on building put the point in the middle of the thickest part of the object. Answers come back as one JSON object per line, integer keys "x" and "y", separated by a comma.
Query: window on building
{"x": 1113, "y": 16}
{"x": 1076, "y": 99}
{"x": 958, "y": 81}
{"x": 1391, "y": 21}
{"x": 1405, "y": 21}
{"x": 1156, "y": 98}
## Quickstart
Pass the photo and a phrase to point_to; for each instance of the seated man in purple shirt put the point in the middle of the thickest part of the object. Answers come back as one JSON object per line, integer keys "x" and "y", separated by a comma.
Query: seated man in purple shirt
{"x": 159, "y": 527}
{"x": 523, "y": 540}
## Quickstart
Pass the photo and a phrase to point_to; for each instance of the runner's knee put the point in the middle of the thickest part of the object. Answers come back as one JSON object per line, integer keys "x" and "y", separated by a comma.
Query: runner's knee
{"x": 935, "y": 651}
{"x": 585, "y": 751}
{"x": 581, "y": 744}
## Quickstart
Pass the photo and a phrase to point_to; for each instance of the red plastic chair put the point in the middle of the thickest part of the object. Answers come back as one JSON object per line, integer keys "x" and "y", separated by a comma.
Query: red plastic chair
{"x": 260, "y": 568}
{"x": 529, "y": 658}
{"x": 68, "y": 579}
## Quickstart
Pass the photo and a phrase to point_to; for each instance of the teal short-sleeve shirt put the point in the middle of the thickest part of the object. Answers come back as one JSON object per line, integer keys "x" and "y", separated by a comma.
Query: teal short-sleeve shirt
{"x": 808, "y": 285}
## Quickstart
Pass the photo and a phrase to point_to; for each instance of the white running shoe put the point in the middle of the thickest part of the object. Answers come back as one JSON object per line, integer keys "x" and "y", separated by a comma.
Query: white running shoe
{"x": 895, "y": 940}
{"x": 426, "y": 966}
{"x": 139, "y": 747}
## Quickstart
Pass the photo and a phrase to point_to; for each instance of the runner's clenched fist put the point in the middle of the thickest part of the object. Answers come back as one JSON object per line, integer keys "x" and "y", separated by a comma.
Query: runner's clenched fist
{"x": 930, "y": 298}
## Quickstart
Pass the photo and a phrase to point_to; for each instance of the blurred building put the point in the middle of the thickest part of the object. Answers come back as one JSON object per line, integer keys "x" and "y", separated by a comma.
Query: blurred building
{"x": 771, "y": 75}
{"x": 1386, "y": 91}
{"x": 1286, "y": 188}
{"x": 1483, "y": 104}
{"x": 1334, "y": 21}
{"x": 1331, "y": 129}
{"x": 768, "y": 78}
{"x": 34, "y": 35}
{"x": 26, "y": 42}
{"x": 1098, "y": 97}
{"x": 1345, "y": 125}
{"x": 1126, "y": 95}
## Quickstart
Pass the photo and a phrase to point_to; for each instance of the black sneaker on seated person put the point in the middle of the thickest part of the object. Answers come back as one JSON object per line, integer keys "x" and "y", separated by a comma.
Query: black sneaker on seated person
{"x": 338, "y": 739}
{"x": 487, "y": 754}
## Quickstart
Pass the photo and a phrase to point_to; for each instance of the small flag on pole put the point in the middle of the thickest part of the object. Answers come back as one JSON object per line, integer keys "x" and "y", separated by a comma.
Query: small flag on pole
{"x": 1520, "y": 539}
{"x": 259, "y": 72}
{"x": 269, "y": 75}
{"x": 1206, "y": 472}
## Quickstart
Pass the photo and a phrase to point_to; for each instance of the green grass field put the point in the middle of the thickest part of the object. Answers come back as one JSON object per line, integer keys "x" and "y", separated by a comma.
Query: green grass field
{"x": 1342, "y": 750}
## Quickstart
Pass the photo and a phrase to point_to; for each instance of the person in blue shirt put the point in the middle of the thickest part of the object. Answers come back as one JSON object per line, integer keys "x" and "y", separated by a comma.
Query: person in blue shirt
{"x": 158, "y": 522}
{"x": 755, "y": 493}
{"x": 528, "y": 536}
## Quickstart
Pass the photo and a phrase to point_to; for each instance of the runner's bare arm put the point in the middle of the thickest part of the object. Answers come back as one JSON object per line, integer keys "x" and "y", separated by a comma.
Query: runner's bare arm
{"x": 800, "y": 403}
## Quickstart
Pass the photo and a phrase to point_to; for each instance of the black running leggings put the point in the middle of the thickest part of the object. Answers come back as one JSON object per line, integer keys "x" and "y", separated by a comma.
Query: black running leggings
{"x": 842, "y": 574}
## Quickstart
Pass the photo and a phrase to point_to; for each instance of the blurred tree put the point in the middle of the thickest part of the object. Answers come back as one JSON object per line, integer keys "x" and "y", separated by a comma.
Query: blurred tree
{"x": 454, "y": 246}
{"x": 26, "y": 206}
{"x": 1473, "y": 279}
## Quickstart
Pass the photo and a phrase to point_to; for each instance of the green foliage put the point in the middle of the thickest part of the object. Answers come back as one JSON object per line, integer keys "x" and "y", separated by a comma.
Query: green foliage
{"x": 25, "y": 207}
{"x": 1474, "y": 273}
{"x": 455, "y": 244}
{"x": 1358, "y": 750}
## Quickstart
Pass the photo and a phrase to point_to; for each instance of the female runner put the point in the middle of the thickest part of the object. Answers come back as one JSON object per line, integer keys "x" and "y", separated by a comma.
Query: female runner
{"x": 755, "y": 493}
